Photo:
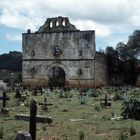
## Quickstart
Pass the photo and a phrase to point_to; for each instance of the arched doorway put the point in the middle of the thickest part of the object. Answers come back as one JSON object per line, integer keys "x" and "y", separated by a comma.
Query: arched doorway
{"x": 57, "y": 77}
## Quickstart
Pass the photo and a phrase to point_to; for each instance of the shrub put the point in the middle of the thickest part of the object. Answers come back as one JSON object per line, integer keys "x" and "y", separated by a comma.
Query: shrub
{"x": 132, "y": 131}
{"x": 124, "y": 134}
{"x": 93, "y": 93}
{"x": 131, "y": 108}
{"x": 98, "y": 107}
{"x": 82, "y": 101}
{"x": 118, "y": 96}
{"x": 81, "y": 135}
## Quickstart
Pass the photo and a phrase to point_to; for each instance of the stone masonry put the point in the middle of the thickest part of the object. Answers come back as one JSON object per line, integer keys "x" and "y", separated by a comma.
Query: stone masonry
{"x": 59, "y": 44}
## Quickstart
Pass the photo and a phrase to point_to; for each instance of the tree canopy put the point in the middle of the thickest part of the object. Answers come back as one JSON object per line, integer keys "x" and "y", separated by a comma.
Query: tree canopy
{"x": 123, "y": 59}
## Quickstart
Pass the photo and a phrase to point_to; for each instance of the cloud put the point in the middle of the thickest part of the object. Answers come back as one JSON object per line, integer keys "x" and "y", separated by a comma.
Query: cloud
{"x": 101, "y": 30}
{"x": 14, "y": 37}
{"x": 31, "y": 13}
{"x": 106, "y": 17}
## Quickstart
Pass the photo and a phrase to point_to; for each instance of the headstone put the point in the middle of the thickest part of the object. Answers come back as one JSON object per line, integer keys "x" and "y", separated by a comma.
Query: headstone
{"x": 23, "y": 136}
{"x": 4, "y": 98}
{"x": 4, "y": 109}
{"x": 3, "y": 85}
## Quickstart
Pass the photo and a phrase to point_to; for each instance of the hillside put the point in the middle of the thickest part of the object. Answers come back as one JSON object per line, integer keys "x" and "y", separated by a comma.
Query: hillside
{"x": 11, "y": 61}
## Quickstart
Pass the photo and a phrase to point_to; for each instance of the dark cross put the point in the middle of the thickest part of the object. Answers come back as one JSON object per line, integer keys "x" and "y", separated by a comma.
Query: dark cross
{"x": 33, "y": 119}
{"x": 106, "y": 103}
{"x": 45, "y": 104}
{"x": 4, "y": 98}
{"x": 33, "y": 113}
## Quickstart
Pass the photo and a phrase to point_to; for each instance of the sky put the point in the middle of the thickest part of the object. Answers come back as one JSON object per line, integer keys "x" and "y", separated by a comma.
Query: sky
{"x": 112, "y": 20}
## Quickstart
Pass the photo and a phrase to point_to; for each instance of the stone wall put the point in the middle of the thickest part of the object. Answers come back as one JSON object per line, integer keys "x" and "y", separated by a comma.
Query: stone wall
{"x": 101, "y": 75}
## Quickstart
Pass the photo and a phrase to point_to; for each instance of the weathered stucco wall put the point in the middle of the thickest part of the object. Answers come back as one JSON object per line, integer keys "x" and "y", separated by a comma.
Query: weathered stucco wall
{"x": 65, "y": 47}
{"x": 77, "y": 48}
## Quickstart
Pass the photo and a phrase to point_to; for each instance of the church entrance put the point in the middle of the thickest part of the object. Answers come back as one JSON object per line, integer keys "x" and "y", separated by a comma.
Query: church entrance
{"x": 57, "y": 77}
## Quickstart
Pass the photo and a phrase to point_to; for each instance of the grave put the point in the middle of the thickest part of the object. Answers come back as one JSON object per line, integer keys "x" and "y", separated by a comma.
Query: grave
{"x": 33, "y": 119}
{"x": 45, "y": 104}
{"x": 3, "y": 85}
{"x": 4, "y": 109}
{"x": 105, "y": 102}
{"x": 18, "y": 94}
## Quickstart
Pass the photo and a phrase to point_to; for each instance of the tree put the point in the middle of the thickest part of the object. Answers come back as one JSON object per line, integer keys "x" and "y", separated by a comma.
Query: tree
{"x": 129, "y": 62}
{"x": 112, "y": 61}
{"x": 134, "y": 43}
{"x": 123, "y": 51}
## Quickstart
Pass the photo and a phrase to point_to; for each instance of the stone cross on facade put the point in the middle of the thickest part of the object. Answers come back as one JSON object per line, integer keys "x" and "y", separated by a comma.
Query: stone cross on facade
{"x": 4, "y": 98}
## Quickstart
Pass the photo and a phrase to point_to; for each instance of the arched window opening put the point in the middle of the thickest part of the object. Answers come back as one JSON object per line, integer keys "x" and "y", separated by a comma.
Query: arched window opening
{"x": 51, "y": 24}
{"x": 64, "y": 23}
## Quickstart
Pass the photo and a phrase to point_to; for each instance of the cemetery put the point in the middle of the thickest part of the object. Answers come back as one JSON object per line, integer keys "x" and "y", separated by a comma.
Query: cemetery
{"x": 93, "y": 114}
{"x": 69, "y": 91}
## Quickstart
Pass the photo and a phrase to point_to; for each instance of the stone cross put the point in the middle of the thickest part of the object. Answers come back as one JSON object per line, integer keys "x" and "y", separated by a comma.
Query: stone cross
{"x": 4, "y": 98}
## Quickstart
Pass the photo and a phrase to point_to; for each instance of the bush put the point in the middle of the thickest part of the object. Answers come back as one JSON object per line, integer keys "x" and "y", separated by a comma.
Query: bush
{"x": 98, "y": 107}
{"x": 131, "y": 108}
{"x": 92, "y": 93}
{"x": 124, "y": 134}
{"x": 118, "y": 96}
{"x": 81, "y": 135}
{"x": 82, "y": 101}
{"x": 132, "y": 131}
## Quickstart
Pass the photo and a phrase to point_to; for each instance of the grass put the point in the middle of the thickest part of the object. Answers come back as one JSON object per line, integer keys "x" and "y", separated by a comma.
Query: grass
{"x": 95, "y": 124}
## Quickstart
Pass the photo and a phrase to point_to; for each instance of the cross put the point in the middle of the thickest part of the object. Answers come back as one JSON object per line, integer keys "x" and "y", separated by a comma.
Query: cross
{"x": 106, "y": 103}
{"x": 4, "y": 98}
{"x": 33, "y": 119}
{"x": 45, "y": 104}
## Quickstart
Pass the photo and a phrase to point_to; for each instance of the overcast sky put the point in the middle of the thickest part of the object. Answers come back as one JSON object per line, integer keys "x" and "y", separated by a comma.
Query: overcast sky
{"x": 112, "y": 20}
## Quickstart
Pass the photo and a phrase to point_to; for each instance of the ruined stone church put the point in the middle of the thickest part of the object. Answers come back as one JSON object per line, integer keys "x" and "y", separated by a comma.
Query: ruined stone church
{"x": 59, "y": 54}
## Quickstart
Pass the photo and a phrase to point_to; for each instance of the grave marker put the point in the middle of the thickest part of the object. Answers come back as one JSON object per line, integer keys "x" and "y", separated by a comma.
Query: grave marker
{"x": 106, "y": 103}
{"x": 4, "y": 98}
{"x": 45, "y": 104}
{"x": 4, "y": 109}
{"x": 33, "y": 119}
{"x": 33, "y": 113}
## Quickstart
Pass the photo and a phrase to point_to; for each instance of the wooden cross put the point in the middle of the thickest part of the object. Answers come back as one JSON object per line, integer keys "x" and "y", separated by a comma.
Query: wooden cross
{"x": 106, "y": 103}
{"x": 33, "y": 113}
{"x": 4, "y": 98}
{"x": 45, "y": 104}
{"x": 33, "y": 119}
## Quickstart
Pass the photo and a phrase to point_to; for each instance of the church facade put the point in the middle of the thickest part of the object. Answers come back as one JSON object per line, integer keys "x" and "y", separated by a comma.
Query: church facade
{"x": 60, "y": 53}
